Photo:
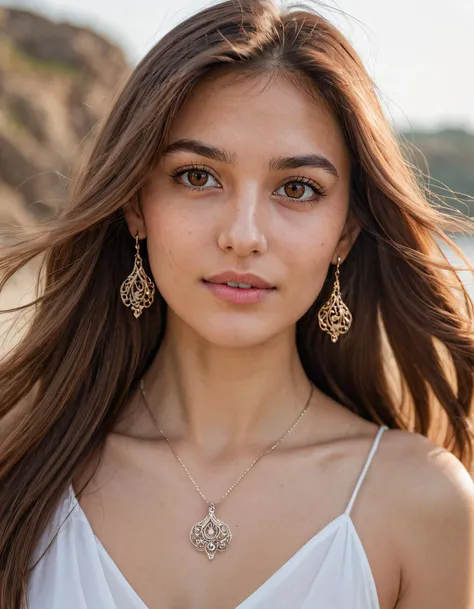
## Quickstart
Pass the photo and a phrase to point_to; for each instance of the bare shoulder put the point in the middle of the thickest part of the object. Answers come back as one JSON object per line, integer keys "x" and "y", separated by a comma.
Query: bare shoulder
{"x": 429, "y": 502}
{"x": 427, "y": 476}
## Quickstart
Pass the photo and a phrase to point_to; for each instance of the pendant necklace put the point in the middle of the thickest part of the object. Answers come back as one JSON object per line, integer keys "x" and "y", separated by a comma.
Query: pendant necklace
{"x": 211, "y": 534}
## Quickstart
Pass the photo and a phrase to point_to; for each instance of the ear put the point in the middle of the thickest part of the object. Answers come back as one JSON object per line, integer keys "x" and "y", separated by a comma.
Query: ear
{"x": 134, "y": 217}
{"x": 349, "y": 235}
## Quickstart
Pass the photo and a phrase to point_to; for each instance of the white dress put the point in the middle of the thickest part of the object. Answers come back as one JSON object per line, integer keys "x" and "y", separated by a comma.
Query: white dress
{"x": 330, "y": 571}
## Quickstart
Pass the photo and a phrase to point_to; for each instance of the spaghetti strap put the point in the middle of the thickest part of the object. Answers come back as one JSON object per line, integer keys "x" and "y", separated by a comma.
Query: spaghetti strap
{"x": 375, "y": 444}
{"x": 71, "y": 495}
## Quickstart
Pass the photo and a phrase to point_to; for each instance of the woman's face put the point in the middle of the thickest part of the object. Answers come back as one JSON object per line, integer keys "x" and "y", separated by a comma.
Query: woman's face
{"x": 255, "y": 180}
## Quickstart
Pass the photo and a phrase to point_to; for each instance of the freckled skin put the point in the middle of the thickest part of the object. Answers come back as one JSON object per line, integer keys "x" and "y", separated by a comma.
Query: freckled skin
{"x": 236, "y": 221}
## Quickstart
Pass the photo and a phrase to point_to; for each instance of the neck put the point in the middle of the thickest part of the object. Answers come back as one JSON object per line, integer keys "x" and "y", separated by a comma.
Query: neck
{"x": 223, "y": 400}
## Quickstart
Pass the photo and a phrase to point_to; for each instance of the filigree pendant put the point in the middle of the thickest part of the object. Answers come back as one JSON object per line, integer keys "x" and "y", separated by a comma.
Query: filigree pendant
{"x": 210, "y": 535}
{"x": 335, "y": 317}
{"x": 138, "y": 290}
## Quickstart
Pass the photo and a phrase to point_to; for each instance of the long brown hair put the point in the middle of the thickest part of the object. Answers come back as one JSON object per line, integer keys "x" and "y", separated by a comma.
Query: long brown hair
{"x": 407, "y": 362}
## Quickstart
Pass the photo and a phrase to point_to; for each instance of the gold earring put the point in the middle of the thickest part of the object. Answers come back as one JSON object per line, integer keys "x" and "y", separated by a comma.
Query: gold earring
{"x": 334, "y": 317}
{"x": 138, "y": 290}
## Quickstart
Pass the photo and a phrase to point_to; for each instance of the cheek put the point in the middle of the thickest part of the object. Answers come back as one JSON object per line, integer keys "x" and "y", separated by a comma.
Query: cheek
{"x": 310, "y": 246}
{"x": 308, "y": 268}
{"x": 307, "y": 264}
{"x": 173, "y": 238}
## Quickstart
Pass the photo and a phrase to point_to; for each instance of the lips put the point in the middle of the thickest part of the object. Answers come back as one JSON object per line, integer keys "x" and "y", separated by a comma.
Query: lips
{"x": 246, "y": 278}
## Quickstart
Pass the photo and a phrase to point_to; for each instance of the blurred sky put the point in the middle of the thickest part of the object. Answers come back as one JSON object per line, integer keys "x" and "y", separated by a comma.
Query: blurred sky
{"x": 419, "y": 52}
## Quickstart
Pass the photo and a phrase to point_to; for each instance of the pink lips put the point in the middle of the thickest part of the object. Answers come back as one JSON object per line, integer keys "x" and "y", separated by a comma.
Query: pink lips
{"x": 260, "y": 288}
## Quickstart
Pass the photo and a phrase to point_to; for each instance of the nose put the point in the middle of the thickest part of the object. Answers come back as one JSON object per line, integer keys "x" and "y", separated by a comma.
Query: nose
{"x": 243, "y": 231}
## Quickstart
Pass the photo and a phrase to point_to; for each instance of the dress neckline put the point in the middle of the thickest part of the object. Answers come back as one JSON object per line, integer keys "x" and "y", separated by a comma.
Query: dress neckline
{"x": 296, "y": 558}
{"x": 261, "y": 591}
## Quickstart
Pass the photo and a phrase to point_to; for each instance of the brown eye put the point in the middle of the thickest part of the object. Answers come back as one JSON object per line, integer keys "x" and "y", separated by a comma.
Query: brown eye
{"x": 197, "y": 177}
{"x": 294, "y": 189}
{"x": 301, "y": 190}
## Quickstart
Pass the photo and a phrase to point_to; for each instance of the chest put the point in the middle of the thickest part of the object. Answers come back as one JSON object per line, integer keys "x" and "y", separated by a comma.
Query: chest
{"x": 285, "y": 517}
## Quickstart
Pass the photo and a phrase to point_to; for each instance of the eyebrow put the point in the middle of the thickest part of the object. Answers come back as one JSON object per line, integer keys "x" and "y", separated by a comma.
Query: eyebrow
{"x": 277, "y": 163}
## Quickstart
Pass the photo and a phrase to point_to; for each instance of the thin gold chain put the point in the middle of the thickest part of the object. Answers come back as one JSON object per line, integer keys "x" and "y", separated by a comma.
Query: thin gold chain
{"x": 250, "y": 466}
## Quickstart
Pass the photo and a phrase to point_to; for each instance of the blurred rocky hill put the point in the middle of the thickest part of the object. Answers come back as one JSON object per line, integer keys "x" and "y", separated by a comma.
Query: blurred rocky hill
{"x": 56, "y": 82}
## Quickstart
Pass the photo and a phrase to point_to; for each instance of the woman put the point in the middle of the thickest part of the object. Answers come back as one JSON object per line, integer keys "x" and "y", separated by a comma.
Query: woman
{"x": 248, "y": 377}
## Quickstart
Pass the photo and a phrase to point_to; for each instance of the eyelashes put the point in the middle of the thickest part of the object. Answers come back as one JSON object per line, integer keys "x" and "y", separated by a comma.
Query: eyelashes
{"x": 318, "y": 191}
{"x": 179, "y": 173}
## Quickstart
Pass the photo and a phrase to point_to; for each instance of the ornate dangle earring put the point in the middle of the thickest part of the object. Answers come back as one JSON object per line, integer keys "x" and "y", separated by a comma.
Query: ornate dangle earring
{"x": 138, "y": 290}
{"x": 334, "y": 317}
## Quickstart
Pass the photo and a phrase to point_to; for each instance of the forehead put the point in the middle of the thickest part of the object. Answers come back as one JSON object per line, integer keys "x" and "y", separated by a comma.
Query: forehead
{"x": 260, "y": 117}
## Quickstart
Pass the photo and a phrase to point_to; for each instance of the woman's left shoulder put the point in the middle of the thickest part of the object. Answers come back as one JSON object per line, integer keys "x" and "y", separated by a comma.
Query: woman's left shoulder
{"x": 424, "y": 468}
{"x": 428, "y": 499}
{"x": 429, "y": 487}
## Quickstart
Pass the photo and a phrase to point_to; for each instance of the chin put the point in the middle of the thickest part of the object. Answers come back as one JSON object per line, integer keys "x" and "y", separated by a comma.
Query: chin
{"x": 237, "y": 335}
